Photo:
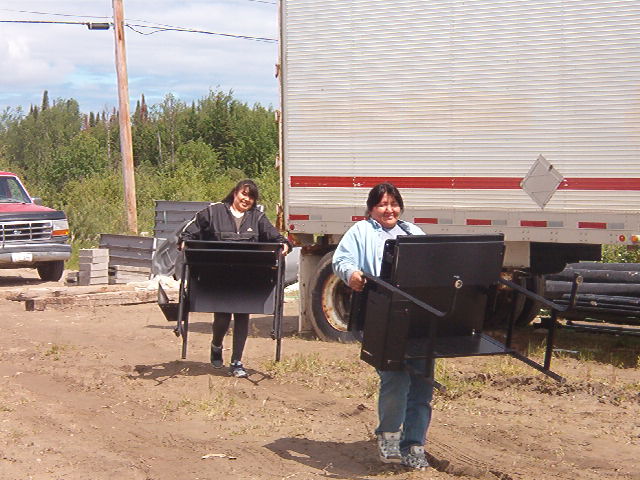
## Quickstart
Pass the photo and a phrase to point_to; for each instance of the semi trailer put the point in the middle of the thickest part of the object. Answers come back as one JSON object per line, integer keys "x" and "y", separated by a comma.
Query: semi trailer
{"x": 519, "y": 117}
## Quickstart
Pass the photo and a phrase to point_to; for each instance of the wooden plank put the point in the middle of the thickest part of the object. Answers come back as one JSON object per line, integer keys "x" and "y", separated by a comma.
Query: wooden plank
{"x": 91, "y": 300}
{"x": 21, "y": 294}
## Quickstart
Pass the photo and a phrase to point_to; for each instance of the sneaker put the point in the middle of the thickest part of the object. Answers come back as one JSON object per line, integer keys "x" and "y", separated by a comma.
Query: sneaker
{"x": 237, "y": 369}
{"x": 415, "y": 458}
{"x": 389, "y": 447}
{"x": 216, "y": 356}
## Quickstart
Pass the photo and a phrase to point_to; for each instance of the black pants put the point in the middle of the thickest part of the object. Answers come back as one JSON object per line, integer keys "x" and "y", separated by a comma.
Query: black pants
{"x": 220, "y": 326}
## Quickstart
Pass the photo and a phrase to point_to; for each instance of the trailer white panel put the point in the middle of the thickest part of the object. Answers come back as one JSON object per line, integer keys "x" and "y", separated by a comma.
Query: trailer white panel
{"x": 453, "y": 101}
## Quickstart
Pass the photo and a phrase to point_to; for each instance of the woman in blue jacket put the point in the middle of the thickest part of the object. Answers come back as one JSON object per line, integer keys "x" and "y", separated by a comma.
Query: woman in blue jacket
{"x": 404, "y": 400}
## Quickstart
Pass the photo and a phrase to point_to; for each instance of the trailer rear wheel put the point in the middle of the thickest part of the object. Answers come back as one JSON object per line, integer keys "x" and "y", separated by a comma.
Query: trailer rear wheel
{"x": 530, "y": 307}
{"x": 330, "y": 304}
{"x": 526, "y": 309}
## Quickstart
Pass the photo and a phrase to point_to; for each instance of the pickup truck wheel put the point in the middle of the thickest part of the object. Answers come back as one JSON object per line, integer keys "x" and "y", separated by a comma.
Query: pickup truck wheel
{"x": 330, "y": 304}
{"x": 51, "y": 271}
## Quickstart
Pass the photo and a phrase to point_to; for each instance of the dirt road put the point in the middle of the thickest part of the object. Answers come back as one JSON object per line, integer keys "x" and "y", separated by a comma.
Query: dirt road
{"x": 100, "y": 393}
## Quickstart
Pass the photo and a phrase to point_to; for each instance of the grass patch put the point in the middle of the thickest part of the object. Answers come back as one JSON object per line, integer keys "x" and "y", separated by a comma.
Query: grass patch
{"x": 353, "y": 377}
{"x": 455, "y": 385}
{"x": 55, "y": 351}
{"x": 507, "y": 366}
{"x": 217, "y": 406}
{"x": 617, "y": 350}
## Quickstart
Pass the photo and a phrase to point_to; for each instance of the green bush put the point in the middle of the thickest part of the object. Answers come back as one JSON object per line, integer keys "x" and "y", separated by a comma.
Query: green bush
{"x": 620, "y": 254}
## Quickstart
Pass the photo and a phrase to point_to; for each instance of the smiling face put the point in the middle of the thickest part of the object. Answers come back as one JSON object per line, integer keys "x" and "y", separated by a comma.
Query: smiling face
{"x": 386, "y": 211}
{"x": 242, "y": 201}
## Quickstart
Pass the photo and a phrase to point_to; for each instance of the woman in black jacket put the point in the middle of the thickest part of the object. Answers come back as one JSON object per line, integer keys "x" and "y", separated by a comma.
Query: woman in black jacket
{"x": 236, "y": 218}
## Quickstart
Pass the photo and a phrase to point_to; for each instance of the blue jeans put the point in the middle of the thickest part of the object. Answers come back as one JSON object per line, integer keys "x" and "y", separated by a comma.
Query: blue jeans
{"x": 404, "y": 403}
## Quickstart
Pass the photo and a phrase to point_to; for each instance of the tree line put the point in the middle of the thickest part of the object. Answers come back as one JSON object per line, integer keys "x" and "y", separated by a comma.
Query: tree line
{"x": 181, "y": 151}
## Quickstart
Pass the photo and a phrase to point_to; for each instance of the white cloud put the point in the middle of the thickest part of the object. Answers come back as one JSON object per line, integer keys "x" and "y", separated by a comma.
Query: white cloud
{"x": 71, "y": 61}
{"x": 22, "y": 69}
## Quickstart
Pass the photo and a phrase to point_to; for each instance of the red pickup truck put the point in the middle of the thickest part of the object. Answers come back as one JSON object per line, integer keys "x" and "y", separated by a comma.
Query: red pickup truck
{"x": 31, "y": 235}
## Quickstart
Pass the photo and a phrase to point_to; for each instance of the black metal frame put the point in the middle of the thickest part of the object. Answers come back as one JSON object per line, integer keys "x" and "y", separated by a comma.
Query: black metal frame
{"x": 433, "y": 346}
{"x": 211, "y": 266}
{"x": 550, "y": 326}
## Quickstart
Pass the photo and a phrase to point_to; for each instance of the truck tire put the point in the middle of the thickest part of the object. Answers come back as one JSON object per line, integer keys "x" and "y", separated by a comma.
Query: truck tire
{"x": 531, "y": 308}
{"x": 330, "y": 304}
{"x": 51, "y": 271}
{"x": 527, "y": 309}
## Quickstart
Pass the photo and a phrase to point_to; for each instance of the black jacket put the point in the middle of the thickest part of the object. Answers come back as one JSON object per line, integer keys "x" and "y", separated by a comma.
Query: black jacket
{"x": 216, "y": 222}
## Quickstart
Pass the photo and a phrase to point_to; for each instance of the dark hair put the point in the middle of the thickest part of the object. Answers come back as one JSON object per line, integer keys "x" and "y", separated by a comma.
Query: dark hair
{"x": 241, "y": 185}
{"x": 377, "y": 192}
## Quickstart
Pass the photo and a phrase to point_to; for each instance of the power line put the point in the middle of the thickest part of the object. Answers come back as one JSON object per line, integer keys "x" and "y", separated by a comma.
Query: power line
{"x": 105, "y": 26}
{"x": 266, "y": 2}
{"x": 44, "y": 21}
{"x": 169, "y": 28}
{"x": 50, "y": 13}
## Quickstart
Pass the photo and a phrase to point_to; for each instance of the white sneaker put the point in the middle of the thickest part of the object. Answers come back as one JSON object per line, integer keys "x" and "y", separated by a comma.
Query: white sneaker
{"x": 389, "y": 447}
{"x": 237, "y": 370}
{"x": 415, "y": 458}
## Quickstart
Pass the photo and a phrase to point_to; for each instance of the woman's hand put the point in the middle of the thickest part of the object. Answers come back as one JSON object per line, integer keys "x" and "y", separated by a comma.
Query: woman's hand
{"x": 357, "y": 281}
{"x": 285, "y": 248}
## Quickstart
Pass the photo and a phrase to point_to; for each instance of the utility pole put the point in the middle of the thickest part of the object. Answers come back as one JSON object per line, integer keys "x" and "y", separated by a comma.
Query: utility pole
{"x": 124, "y": 119}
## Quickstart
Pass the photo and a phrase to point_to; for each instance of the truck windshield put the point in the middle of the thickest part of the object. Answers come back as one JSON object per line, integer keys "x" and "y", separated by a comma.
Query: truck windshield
{"x": 12, "y": 192}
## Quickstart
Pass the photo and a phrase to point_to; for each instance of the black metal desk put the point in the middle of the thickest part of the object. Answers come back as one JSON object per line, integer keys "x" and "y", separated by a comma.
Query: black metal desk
{"x": 434, "y": 290}
{"x": 232, "y": 277}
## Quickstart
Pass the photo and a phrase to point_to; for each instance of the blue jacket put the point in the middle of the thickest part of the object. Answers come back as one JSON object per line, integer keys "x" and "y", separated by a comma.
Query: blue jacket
{"x": 361, "y": 248}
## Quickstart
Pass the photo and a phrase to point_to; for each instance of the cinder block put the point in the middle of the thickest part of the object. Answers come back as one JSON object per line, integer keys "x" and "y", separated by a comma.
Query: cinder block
{"x": 85, "y": 278}
{"x": 71, "y": 279}
{"x": 94, "y": 253}
{"x": 94, "y": 272}
{"x": 93, "y": 261}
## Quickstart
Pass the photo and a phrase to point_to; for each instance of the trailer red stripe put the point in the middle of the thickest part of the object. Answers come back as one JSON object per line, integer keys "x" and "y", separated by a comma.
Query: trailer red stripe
{"x": 425, "y": 220}
{"x": 357, "y": 218}
{"x": 600, "y": 225}
{"x": 533, "y": 223}
{"x": 408, "y": 182}
{"x": 469, "y": 183}
{"x": 600, "y": 184}
{"x": 478, "y": 221}
{"x": 298, "y": 217}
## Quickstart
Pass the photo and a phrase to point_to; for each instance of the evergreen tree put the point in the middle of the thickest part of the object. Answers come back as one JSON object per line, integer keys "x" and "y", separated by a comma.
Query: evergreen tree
{"x": 194, "y": 151}
{"x": 45, "y": 100}
{"x": 144, "y": 111}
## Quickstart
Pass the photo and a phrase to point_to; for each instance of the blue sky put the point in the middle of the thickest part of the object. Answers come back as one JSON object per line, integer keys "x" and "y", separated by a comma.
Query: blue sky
{"x": 71, "y": 61}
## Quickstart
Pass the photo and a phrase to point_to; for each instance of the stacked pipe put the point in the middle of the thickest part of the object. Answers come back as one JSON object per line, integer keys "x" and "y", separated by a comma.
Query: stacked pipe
{"x": 610, "y": 291}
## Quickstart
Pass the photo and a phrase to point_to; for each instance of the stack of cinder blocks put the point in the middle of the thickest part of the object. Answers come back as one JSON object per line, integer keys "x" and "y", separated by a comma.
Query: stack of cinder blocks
{"x": 127, "y": 274}
{"x": 94, "y": 266}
